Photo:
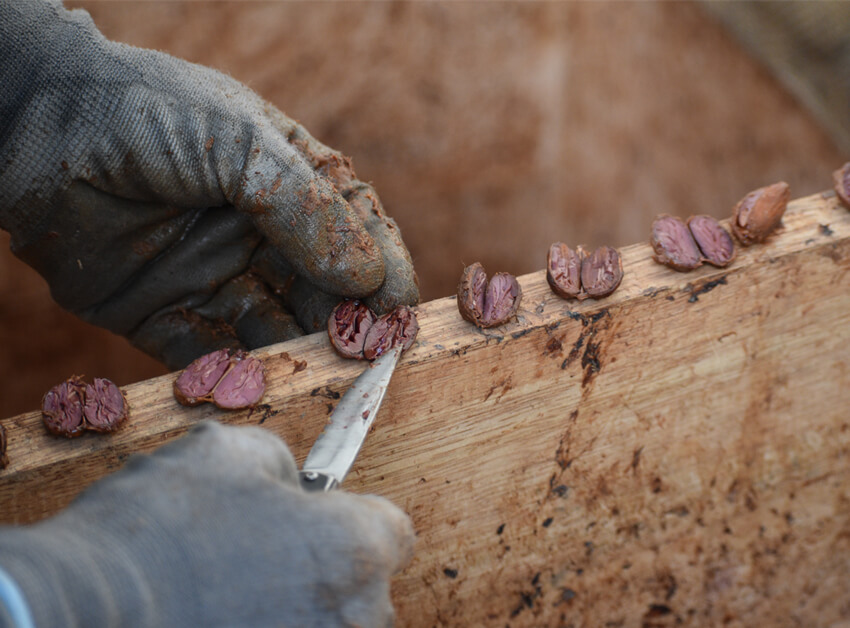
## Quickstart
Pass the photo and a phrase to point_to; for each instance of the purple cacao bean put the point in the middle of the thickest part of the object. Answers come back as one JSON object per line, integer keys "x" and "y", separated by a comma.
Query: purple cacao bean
{"x": 673, "y": 244}
{"x": 715, "y": 243}
{"x": 760, "y": 212}
{"x": 243, "y": 385}
{"x": 230, "y": 381}
{"x": 563, "y": 270}
{"x": 471, "y": 292}
{"x": 348, "y": 326}
{"x": 601, "y": 272}
{"x": 4, "y": 459}
{"x": 841, "y": 180}
{"x": 397, "y": 327}
{"x": 62, "y": 408}
{"x": 196, "y": 383}
{"x": 487, "y": 304}
{"x": 105, "y": 406}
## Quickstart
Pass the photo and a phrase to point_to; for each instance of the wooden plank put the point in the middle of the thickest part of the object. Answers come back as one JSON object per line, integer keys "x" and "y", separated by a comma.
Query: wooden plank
{"x": 676, "y": 453}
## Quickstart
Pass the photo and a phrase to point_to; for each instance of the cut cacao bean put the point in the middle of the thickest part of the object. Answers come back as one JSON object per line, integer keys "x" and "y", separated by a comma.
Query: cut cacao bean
{"x": 196, "y": 383}
{"x": 471, "y": 292}
{"x": 759, "y": 213}
{"x": 243, "y": 385}
{"x": 601, "y": 272}
{"x": 4, "y": 459}
{"x": 841, "y": 180}
{"x": 105, "y": 406}
{"x": 347, "y": 328}
{"x": 487, "y": 304}
{"x": 62, "y": 408}
{"x": 398, "y": 327}
{"x": 356, "y": 332}
{"x": 714, "y": 241}
{"x": 563, "y": 270}
{"x": 577, "y": 275}
{"x": 70, "y": 408}
{"x": 674, "y": 244}
{"x": 231, "y": 381}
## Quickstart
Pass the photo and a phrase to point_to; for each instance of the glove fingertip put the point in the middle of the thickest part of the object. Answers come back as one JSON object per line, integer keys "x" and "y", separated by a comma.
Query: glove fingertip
{"x": 397, "y": 532}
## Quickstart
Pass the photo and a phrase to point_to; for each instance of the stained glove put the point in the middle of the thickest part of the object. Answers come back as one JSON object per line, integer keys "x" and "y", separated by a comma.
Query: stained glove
{"x": 171, "y": 204}
{"x": 211, "y": 530}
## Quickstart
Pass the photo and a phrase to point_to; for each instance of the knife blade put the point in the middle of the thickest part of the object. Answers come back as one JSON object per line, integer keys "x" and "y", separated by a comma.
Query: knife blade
{"x": 334, "y": 452}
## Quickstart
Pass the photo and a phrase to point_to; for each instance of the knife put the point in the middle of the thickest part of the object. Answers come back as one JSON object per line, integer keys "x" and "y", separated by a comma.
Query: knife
{"x": 334, "y": 452}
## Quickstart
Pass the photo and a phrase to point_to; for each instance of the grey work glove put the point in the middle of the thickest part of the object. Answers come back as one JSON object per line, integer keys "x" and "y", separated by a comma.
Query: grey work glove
{"x": 211, "y": 530}
{"x": 171, "y": 204}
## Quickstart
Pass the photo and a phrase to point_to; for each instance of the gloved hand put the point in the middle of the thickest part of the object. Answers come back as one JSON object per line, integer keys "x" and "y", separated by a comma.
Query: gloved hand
{"x": 211, "y": 530}
{"x": 171, "y": 204}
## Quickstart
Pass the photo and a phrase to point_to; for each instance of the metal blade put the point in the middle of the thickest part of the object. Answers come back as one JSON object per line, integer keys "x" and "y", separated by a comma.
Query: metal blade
{"x": 337, "y": 447}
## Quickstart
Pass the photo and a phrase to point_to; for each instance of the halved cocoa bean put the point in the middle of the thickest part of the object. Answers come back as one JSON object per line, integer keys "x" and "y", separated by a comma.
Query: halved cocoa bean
{"x": 62, "y": 408}
{"x": 471, "y": 292}
{"x": 4, "y": 459}
{"x": 487, "y": 304}
{"x": 563, "y": 270}
{"x": 243, "y": 385}
{"x": 713, "y": 241}
{"x": 501, "y": 300}
{"x": 230, "y": 381}
{"x": 348, "y": 325}
{"x": 397, "y": 327}
{"x": 197, "y": 381}
{"x": 673, "y": 244}
{"x": 105, "y": 406}
{"x": 760, "y": 212}
{"x": 841, "y": 181}
{"x": 601, "y": 272}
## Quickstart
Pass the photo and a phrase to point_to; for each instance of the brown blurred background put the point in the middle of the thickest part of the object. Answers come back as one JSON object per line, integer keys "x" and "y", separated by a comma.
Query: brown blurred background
{"x": 490, "y": 130}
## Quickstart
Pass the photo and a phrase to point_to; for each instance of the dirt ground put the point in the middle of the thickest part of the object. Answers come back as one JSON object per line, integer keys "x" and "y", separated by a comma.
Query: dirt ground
{"x": 490, "y": 130}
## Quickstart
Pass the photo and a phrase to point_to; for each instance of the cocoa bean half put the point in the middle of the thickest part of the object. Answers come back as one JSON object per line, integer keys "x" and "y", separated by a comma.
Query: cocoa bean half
{"x": 197, "y": 381}
{"x": 243, "y": 385}
{"x": 563, "y": 270}
{"x": 714, "y": 241}
{"x": 487, "y": 304}
{"x": 105, "y": 407}
{"x": 673, "y": 244}
{"x": 601, "y": 272}
{"x": 348, "y": 325}
{"x": 398, "y": 327}
{"x": 62, "y": 408}
{"x": 4, "y": 459}
{"x": 759, "y": 213}
{"x": 841, "y": 181}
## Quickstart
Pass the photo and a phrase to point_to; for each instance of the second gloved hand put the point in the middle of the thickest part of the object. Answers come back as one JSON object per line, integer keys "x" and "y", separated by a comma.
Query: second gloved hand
{"x": 211, "y": 530}
{"x": 171, "y": 204}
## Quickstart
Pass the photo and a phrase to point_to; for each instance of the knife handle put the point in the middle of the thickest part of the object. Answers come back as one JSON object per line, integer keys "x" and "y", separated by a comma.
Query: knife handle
{"x": 314, "y": 482}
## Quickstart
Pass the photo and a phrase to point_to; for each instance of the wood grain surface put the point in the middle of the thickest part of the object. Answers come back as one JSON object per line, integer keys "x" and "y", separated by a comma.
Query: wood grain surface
{"x": 677, "y": 453}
